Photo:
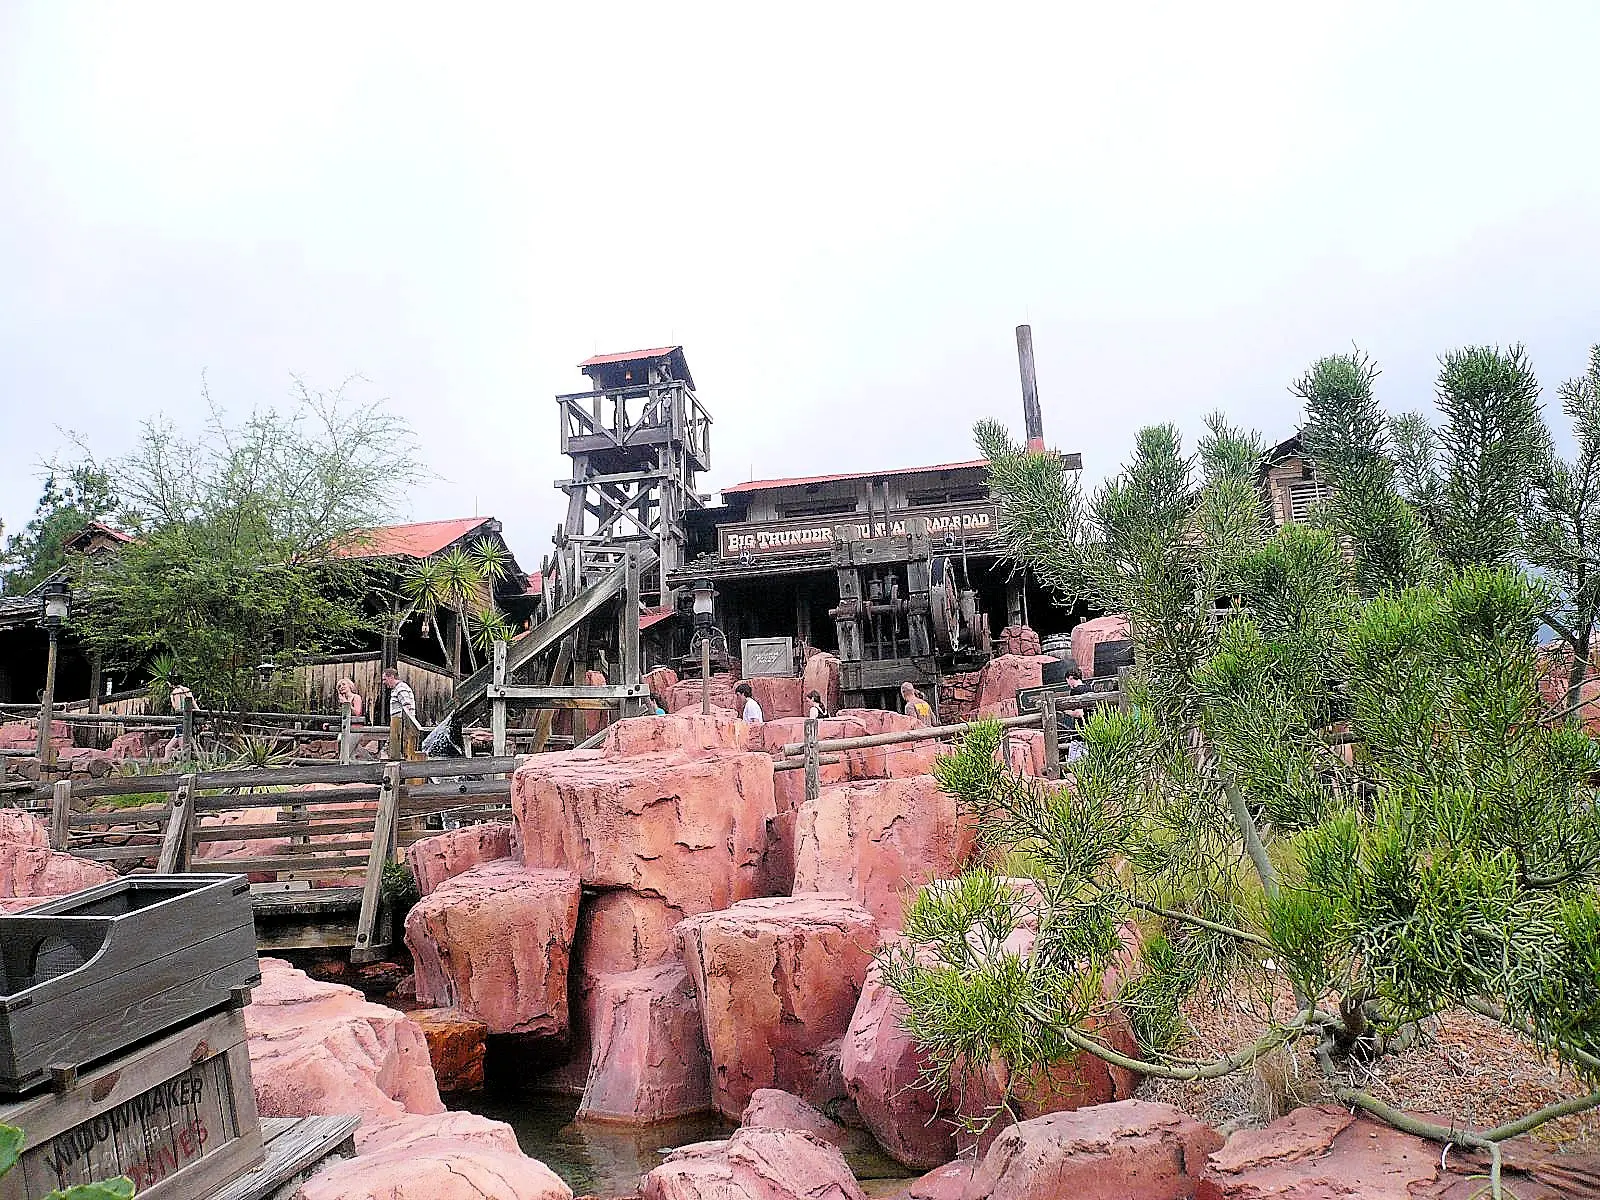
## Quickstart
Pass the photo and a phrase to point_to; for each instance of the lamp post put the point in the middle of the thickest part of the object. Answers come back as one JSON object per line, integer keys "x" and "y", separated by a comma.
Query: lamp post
{"x": 705, "y": 603}
{"x": 57, "y": 602}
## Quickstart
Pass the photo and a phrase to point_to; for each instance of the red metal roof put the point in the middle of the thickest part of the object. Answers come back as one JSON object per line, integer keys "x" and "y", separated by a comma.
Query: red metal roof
{"x": 628, "y": 356}
{"x": 654, "y": 616}
{"x": 418, "y": 540}
{"x": 761, "y": 485}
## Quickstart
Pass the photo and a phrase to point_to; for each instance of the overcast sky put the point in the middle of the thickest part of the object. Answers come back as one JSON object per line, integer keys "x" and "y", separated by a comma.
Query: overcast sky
{"x": 841, "y": 212}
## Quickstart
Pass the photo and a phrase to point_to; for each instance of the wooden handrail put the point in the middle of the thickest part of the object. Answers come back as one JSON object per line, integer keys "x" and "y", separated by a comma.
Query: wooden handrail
{"x": 790, "y": 749}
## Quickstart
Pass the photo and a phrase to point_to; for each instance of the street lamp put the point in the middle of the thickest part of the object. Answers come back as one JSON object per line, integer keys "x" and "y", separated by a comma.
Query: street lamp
{"x": 56, "y": 603}
{"x": 705, "y": 606}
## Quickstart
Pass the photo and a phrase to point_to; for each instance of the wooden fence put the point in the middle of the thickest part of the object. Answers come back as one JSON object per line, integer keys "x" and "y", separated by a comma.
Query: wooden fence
{"x": 343, "y": 823}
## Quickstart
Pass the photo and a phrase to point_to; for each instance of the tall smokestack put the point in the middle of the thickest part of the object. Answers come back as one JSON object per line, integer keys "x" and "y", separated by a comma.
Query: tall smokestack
{"x": 1030, "y": 389}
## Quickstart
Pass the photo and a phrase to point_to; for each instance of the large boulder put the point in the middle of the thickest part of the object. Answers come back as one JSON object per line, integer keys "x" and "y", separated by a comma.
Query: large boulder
{"x": 444, "y": 856}
{"x": 1086, "y": 635}
{"x": 902, "y": 759}
{"x": 24, "y": 735}
{"x": 20, "y": 828}
{"x": 1018, "y": 639}
{"x": 691, "y": 831}
{"x": 685, "y": 695}
{"x": 684, "y": 733}
{"x": 1130, "y": 1150}
{"x": 1003, "y": 677}
{"x": 30, "y": 870}
{"x": 879, "y": 840}
{"x": 139, "y": 744}
{"x": 778, "y": 695}
{"x": 822, "y": 677}
{"x": 494, "y": 943}
{"x": 453, "y": 1156}
{"x": 882, "y": 1069}
{"x": 648, "y": 1061}
{"x": 754, "y": 1164}
{"x": 778, "y": 980}
{"x": 1320, "y": 1152}
{"x": 456, "y": 1046}
{"x": 771, "y": 1109}
{"x": 321, "y": 1049}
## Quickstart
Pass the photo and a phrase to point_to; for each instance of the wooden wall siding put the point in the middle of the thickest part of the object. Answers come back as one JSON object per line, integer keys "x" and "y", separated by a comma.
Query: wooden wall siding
{"x": 320, "y": 684}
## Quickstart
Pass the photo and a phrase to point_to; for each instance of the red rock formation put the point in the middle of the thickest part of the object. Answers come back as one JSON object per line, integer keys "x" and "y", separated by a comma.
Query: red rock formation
{"x": 878, "y": 841}
{"x": 661, "y": 681}
{"x": 754, "y": 1164}
{"x": 882, "y": 1066}
{"x": 1003, "y": 677}
{"x": 649, "y": 1062}
{"x": 1018, "y": 639}
{"x": 1130, "y": 1150}
{"x": 1324, "y": 1152}
{"x": 779, "y": 696}
{"x": 436, "y": 859}
{"x": 317, "y": 1049}
{"x": 30, "y": 869}
{"x": 494, "y": 943}
{"x": 454, "y": 1156}
{"x": 685, "y": 694}
{"x": 771, "y": 1109}
{"x": 822, "y": 677}
{"x": 777, "y": 980}
{"x": 948, "y": 1182}
{"x": 455, "y": 1046}
{"x": 888, "y": 762}
{"x": 691, "y": 831}
{"x": 1089, "y": 634}
{"x": 684, "y": 733}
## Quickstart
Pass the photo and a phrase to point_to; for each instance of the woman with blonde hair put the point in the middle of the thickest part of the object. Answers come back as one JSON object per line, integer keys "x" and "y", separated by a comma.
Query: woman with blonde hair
{"x": 345, "y": 693}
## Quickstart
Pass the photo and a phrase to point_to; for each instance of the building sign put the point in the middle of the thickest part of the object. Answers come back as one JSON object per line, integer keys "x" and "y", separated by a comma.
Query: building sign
{"x": 148, "y": 1138}
{"x": 945, "y": 523}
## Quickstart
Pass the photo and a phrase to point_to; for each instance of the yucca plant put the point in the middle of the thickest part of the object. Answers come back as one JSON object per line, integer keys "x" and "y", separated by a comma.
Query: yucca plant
{"x": 461, "y": 580}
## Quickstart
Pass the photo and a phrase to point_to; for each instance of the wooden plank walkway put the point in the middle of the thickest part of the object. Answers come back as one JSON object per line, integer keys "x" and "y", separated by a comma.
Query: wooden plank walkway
{"x": 294, "y": 1146}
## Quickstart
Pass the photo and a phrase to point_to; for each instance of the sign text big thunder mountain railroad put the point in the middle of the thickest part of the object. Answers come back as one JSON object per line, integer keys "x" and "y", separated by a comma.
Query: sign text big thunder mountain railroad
{"x": 976, "y": 521}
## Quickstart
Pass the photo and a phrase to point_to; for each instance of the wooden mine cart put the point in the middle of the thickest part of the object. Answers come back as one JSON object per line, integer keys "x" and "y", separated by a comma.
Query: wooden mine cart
{"x": 93, "y": 974}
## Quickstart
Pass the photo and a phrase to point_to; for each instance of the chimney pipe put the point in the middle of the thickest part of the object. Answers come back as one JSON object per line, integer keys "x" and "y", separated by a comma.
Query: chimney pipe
{"x": 1031, "y": 417}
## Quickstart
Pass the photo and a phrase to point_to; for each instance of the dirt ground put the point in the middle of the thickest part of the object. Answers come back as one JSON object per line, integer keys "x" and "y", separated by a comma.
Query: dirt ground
{"x": 1465, "y": 1067}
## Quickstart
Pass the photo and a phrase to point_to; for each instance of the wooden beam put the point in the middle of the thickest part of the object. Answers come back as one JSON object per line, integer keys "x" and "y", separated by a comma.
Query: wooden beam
{"x": 377, "y": 858}
{"x": 527, "y": 692}
{"x": 175, "y": 841}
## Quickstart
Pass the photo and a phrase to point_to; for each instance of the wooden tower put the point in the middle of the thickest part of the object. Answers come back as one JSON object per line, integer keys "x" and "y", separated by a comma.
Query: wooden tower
{"x": 637, "y": 443}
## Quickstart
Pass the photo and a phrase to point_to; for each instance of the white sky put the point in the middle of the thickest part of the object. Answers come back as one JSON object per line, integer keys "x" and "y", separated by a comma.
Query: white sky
{"x": 841, "y": 211}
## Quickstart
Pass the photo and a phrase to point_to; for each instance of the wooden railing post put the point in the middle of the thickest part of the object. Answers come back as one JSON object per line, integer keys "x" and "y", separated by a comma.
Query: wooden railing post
{"x": 176, "y": 841}
{"x": 1052, "y": 736}
{"x": 813, "y": 761}
{"x": 346, "y": 738}
{"x": 60, "y": 814}
{"x": 187, "y": 714}
{"x": 497, "y": 710}
{"x": 378, "y": 857}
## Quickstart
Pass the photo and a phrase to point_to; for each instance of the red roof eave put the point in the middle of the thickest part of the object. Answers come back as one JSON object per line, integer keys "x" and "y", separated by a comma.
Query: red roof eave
{"x": 600, "y": 360}
{"x": 421, "y": 539}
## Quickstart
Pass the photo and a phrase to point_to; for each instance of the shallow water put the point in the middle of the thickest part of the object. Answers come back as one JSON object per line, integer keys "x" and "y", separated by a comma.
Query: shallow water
{"x": 597, "y": 1158}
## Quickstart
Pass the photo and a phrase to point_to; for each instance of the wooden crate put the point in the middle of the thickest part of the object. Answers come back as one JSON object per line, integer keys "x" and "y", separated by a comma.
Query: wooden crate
{"x": 177, "y": 1116}
{"x": 93, "y": 974}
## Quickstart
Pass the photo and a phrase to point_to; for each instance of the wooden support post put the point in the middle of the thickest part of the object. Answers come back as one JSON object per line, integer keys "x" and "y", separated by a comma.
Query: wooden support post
{"x": 397, "y": 735}
{"x": 60, "y": 813}
{"x": 497, "y": 708}
{"x": 188, "y": 727}
{"x": 346, "y": 738}
{"x": 95, "y": 684}
{"x": 383, "y": 837}
{"x": 1032, "y": 421}
{"x": 813, "y": 761}
{"x": 1050, "y": 722}
{"x": 175, "y": 841}
{"x": 705, "y": 677}
{"x": 628, "y": 631}
{"x": 558, "y": 676}
{"x": 1122, "y": 686}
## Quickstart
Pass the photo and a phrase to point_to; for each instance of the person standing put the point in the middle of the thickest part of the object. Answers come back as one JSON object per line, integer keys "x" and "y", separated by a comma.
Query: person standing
{"x": 915, "y": 705}
{"x": 345, "y": 692}
{"x": 815, "y": 708}
{"x": 751, "y": 713}
{"x": 402, "y": 705}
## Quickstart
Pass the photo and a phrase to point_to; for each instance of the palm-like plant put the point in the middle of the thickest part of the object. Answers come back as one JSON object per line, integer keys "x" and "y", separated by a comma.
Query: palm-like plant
{"x": 461, "y": 580}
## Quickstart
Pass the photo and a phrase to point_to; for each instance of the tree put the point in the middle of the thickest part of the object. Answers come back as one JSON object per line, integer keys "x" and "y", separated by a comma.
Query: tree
{"x": 242, "y": 533}
{"x": 461, "y": 581}
{"x": 1562, "y": 533}
{"x": 1450, "y": 860}
{"x": 72, "y": 497}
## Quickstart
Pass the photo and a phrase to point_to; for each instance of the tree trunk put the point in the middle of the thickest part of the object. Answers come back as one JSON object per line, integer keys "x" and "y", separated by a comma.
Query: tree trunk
{"x": 455, "y": 661}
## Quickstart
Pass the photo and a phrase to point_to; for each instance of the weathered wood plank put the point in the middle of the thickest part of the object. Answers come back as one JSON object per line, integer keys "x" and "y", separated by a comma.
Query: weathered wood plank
{"x": 355, "y": 861}
{"x": 175, "y": 841}
{"x": 236, "y": 833}
{"x": 293, "y": 1147}
{"x": 383, "y": 837}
